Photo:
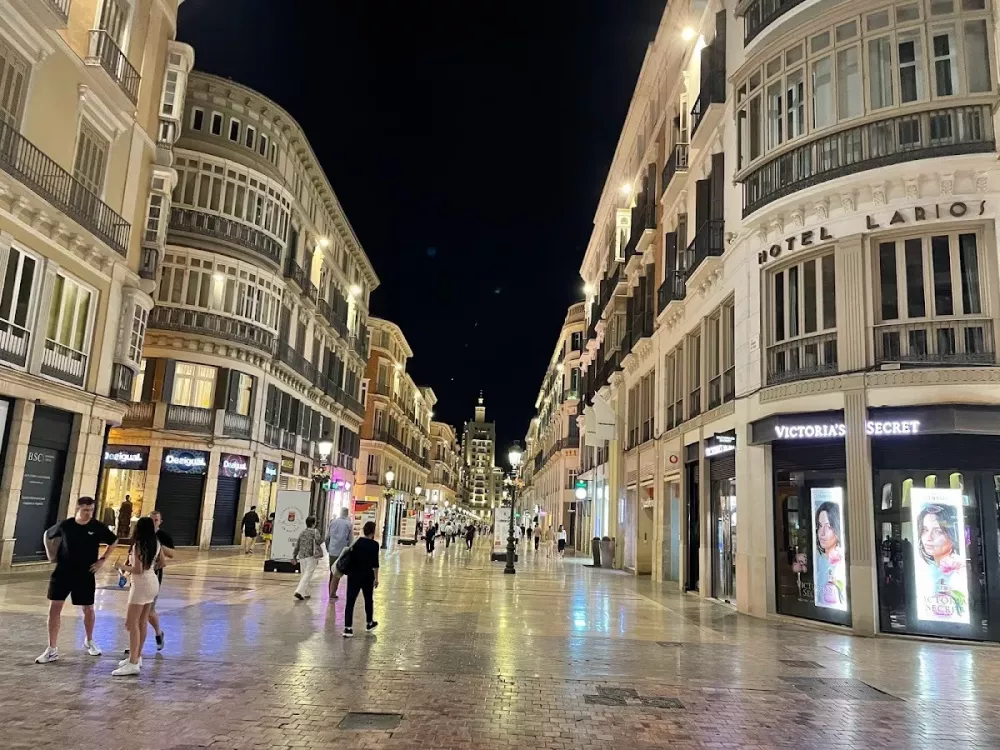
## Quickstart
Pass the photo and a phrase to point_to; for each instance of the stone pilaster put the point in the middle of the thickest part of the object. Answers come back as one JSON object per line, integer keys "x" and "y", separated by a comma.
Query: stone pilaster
{"x": 21, "y": 418}
{"x": 208, "y": 504}
{"x": 860, "y": 516}
{"x": 152, "y": 485}
{"x": 852, "y": 304}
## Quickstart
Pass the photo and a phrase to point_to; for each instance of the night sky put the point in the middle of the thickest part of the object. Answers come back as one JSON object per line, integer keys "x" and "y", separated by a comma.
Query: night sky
{"x": 468, "y": 143}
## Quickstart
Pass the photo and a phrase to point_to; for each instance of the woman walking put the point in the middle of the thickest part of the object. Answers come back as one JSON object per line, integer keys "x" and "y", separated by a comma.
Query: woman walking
{"x": 362, "y": 577}
{"x": 562, "y": 540}
{"x": 308, "y": 552}
{"x": 145, "y": 557}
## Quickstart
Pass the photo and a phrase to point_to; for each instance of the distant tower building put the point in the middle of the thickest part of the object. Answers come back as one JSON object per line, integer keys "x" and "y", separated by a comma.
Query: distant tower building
{"x": 478, "y": 453}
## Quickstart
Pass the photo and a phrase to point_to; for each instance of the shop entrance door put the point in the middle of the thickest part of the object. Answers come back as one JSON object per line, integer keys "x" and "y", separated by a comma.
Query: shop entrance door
{"x": 725, "y": 540}
{"x": 693, "y": 530}
{"x": 227, "y": 499}
{"x": 179, "y": 498}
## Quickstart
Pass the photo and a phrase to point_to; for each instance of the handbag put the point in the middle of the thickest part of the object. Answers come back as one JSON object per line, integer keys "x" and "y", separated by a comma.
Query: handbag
{"x": 344, "y": 560}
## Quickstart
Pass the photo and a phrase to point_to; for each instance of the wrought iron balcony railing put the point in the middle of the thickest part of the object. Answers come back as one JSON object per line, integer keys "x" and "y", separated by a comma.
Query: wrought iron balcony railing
{"x": 708, "y": 242}
{"x": 212, "y": 324}
{"x": 678, "y": 162}
{"x": 231, "y": 231}
{"x": 113, "y": 60}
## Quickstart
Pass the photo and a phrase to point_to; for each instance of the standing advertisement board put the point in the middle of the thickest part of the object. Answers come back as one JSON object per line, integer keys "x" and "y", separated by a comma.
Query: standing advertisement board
{"x": 501, "y": 529}
{"x": 290, "y": 511}
{"x": 365, "y": 511}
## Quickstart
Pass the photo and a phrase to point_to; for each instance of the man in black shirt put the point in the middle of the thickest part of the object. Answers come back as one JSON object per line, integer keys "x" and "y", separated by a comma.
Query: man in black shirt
{"x": 74, "y": 544}
{"x": 250, "y": 521}
{"x": 362, "y": 577}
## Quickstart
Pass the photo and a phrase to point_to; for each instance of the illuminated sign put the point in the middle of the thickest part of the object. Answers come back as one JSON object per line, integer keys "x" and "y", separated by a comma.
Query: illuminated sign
{"x": 873, "y": 428}
{"x": 830, "y": 568}
{"x": 126, "y": 457}
{"x": 270, "y": 471}
{"x": 185, "y": 462}
{"x": 720, "y": 444}
{"x": 939, "y": 559}
{"x": 231, "y": 465}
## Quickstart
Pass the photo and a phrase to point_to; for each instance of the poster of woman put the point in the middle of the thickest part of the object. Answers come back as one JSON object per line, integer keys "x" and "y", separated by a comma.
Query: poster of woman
{"x": 940, "y": 572}
{"x": 830, "y": 568}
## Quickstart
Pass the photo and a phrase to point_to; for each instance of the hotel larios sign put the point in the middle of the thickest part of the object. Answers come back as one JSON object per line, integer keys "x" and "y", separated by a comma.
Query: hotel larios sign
{"x": 956, "y": 210}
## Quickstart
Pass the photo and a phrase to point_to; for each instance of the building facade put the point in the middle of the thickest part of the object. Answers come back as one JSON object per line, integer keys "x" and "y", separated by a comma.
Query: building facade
{"x": 479, "y": 456}
{"x": 257, "y": 343}
{"x": 443, "y": 480}
{"x": 90, "y": 96}
{"x": 396, "y": 433}
{"x": 552, "y": 444}
{"x": 793, "y": 312}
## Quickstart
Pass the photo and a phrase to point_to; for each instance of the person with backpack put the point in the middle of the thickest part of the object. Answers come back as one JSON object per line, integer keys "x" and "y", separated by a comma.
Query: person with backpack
{"x": 361, "y": 568}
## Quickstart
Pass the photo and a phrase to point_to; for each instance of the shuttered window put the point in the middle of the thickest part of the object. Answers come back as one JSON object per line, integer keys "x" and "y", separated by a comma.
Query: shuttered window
{"x": 91, "y": 158}
{"x": 13, "y": 85}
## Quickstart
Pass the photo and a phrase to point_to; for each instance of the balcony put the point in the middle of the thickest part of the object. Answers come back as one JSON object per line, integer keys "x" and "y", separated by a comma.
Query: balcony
{"x": 64, "y": 363}
{"x": 213, "y": 325}
{"x": 813, "y": 356}
{"x": 643, "y": 231}
{"x": 677, "y": 163}
{"x": 673, "y": 289}
{"x": 58, "y": 10}
{"x": 104, "y": 51}
{"x": 709, "y": 242}
{"x": 609, "y": 285}
{"x": 957, "y": 341}
{"x": 230, "y": 231}
{"x": 289, "y": 441}
{"x": 921, "y": 135}
{"x": 707, "y": 110}
{"x": 642, "y": 328}
{"x": 295, "y": 360}
{"x": 237, "y": 425}
{"x": 722, "y": 388}
{"x": 36, "y": 171}
{"x": 694, "y": 403}
{"x": 139, "y": 414}
{"x": 360, "y": 345}
{"x": 149, "y": 262}
{"x": 351, "y": 403}
{"x": 189, "y": 419}
{"x": 272, "y": 435}
{"x": 122, "y": 377}
{"x": 14, "y": 343}
{"x": 759, "y": 14}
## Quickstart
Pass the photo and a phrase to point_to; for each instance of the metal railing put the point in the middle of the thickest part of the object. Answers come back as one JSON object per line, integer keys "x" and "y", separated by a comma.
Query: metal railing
{"x": 139, "y": 414}
{"x": 122, "y": 378}
{"x": 289, "y": 441}
{"x": 296, "y": 361}
{"x": 61, "y": 8}
{"x": 812, "y": 356}
{"x": 64, "y": 363}
{"x": 104, "y": 49}
{"x": 237, "y": 425}
{"x": 232, "y": 231}
{"x": 272, "y": 435}
{"x": 920, "y": 135}
{"x": 360, "y": 346}
{"x": 961, "y": 341}
{"x": 760, "y": 14}
{"x": 713, "y": 91}
{"x": 149, "y": 262}
{"x": 190, "y": 419}
{"x": 709, "y": 242}
{"x": 212, "y": 324}
{"x": 675, "y": 415}
{"x": 678, "y": 162}
{"x": 694, "y": 403}
{"x": 324, "y": 309}
{"x": 296, "y": 273}
{"x": 15, "y": 342}
{"x": 21, "y": 159}
{"x": 672, "y": 289}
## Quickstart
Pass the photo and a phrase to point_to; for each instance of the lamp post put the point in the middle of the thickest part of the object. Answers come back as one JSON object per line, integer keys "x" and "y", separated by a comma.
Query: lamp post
{"x": 417, "y": 511}
{"x": 390, "y": 475}
{"x": 325, "y": 447}
{"x": 514, "y": 456}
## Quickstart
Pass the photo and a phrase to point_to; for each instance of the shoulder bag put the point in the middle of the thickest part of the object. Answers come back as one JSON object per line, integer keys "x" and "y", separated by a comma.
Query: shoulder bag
{"x": 344, "y": 560}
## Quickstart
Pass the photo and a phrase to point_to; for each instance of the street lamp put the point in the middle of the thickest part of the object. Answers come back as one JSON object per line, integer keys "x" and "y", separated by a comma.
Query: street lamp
{"x": 390, "y": 475}
{"x": 514, "y": 457}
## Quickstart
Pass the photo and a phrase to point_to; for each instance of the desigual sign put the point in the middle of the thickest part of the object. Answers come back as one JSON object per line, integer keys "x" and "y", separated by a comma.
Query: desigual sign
{"x": 231, "y": 465}
{"x": 126, "y": 457}
{"x": 185, "y": 462}
{"x": 873, "y": 428}
{"x": 955, "y": 210}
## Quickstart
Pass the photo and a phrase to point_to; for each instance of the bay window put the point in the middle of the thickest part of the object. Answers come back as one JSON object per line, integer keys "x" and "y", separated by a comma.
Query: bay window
{"x": 930, "y": 306}
{"x": 802, "y": 336}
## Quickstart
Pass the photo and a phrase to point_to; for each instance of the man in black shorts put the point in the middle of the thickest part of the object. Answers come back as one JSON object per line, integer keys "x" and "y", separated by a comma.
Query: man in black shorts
{"x": 74, "y": 544}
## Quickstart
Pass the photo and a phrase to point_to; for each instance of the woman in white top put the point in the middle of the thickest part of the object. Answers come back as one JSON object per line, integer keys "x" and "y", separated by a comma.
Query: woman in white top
{"x": 562, "y": 540}
{"x": 145, "y": 557}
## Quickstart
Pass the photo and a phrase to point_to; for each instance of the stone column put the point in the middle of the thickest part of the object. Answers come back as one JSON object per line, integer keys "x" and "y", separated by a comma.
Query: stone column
{"x": 152, "y": 485}
{"x": 860, "y": 516}
{"x": 754, "y": 529}
{"x": 208, "y": 504}
{"x": 21, "y": 417}
{"x": 852, "y": 303}
{"x": 83, "y": 463}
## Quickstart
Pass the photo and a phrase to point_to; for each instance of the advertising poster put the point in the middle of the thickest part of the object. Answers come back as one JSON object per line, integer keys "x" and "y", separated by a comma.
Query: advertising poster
{"x": 408, "y": 529}
{"x": 501, "y": 529}
{"x": 290, "y": 511}
{"x": 939, "y": 569}
{"x": 365, "y": 511}
{"x": 830, "y": 569}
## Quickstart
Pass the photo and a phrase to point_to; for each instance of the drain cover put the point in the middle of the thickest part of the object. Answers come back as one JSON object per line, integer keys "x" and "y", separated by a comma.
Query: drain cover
{"x": 361, "y": 720}
{"x": 653, "y": 702}
{"x": 837, "y": 688}
{"x": 622, "y": 693}
{"x": 604, "y": 700}
{"x": 800, "y": 664}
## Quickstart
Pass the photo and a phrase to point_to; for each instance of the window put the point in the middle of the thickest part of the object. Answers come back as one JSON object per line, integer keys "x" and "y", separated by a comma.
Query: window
{"x": 138, "y": 381}
{"x": 822, "y": 96}
{"x": 234, "y": 129}
{"x": 880, "y": 72}
{"x": 17, "y": 301}
{"x": 194, "y": 385}
{"x": 576, "y": 341}
{"x": 250, "y": 136}
{"x": 139, "y": 317}
{"x": 69, "y": 314}
{"x": 14, "y": 71}
{"x": 91, "y": 159}
{"x": 171, "y": 102}
{"x": 945, "y": 72}
{"x": 673, "y": 385}
{"x": 154, "y": 217}
{"x": 243, "y": 388}
{"x": 803, "y": 339}
{"x": 694, "y": 374}
{"x": 262, "y": 145}
{"x": 849, "y": 102}
{"x": 977, "y": 55}
{"x": 216, "y": 123}
{"x": 197, "y": 118}
{"x": 911, "y": 67}
{"x": 721, "y": 355}
{"x": 930, "y": 304}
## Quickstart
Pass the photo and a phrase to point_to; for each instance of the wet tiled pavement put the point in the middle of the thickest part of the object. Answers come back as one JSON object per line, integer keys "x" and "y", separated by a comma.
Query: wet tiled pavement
{"x": 559, "y": 656}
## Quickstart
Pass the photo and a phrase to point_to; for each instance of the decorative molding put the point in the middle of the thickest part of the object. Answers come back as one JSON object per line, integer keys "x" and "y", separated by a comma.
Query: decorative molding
{"x": 822, "y": 210}
{"x": 798, "y": 388}
{"x": 947, "y": 183}
{"x": 849, "y": 202}
{"x": 761, "y": 234}
{"x": 778, "y": 226}
{"x": 934, "y": 377}
{"x": 108, "y": 123}
{"x": 723, "y": 410}
{"x": 798, "y": 217}
{"x": 982, "y": 181}
{"x": 878, "y": 193}
{"x": 912, "y": 188}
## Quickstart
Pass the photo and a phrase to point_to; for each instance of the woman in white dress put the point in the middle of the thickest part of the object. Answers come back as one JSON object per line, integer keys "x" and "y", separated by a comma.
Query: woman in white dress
{"x": 145, "y": 557}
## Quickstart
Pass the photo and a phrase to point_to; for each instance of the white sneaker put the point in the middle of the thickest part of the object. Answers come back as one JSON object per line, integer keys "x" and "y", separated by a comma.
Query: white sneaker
{"x": 49, "y": 654}
{"x": 123, "y": 662}
{"x": 129, "y": 670}
{"x": 92, "y": 648}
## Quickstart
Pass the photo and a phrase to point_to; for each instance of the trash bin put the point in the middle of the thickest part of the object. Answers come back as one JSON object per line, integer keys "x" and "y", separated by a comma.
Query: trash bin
{"x": 595, "y": 550}
{"x": 607, "y": 552}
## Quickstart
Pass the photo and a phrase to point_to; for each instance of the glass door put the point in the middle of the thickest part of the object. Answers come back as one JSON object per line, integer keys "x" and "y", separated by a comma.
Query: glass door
{"x": 693, "y": 530}
{"x": 724, "y": 567}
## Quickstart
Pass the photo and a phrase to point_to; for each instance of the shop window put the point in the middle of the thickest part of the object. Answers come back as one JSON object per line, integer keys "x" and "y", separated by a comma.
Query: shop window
{"x": 930, "y": 305}
{"x": 194, "y": 385}
{"x": 803, "y": 321}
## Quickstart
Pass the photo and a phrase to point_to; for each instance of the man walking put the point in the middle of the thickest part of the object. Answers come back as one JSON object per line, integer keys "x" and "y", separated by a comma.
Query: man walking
{"x": 338, "y": 538}
{"x": 74, "y": 544}
{"x": 250, "y": 521}
{"x": 362, "y": 578}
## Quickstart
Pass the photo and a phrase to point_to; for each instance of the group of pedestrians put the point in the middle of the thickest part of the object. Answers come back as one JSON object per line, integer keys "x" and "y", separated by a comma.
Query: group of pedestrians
{"x": 74, "y": 545}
